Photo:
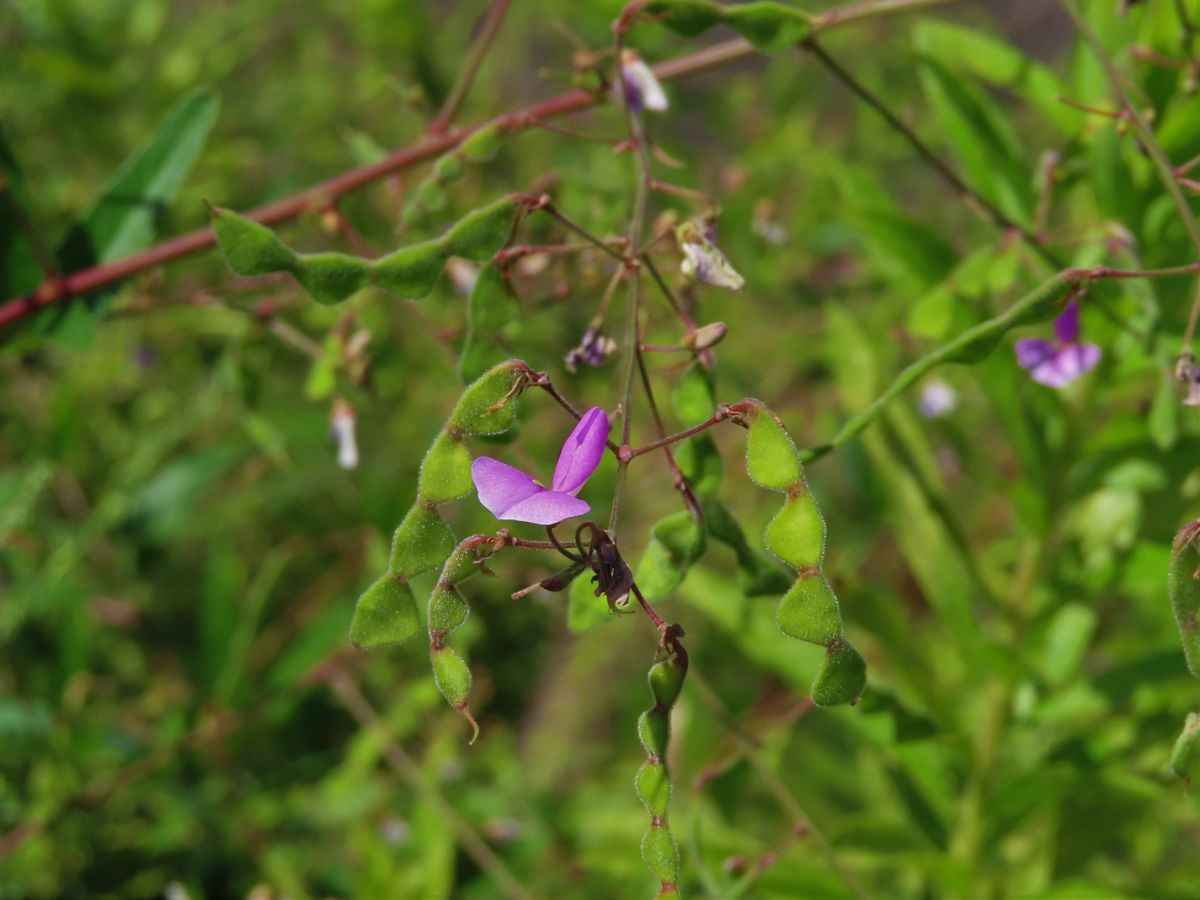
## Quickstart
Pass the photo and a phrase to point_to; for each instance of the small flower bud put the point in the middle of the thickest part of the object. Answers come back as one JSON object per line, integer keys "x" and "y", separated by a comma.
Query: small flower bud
{"x": 341, "y": 424}
{"x": 705, "y": 337}
{"x": 703, "y": 259}
{"x": 937, "y": 399}
{"x": 642, "y": 89}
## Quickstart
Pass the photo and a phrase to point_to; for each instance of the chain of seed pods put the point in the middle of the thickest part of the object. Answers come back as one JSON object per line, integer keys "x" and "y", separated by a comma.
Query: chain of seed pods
{"x": 386, "y": 613}
{"x": 653, "y": 781}
{"x": 410, "y": 272}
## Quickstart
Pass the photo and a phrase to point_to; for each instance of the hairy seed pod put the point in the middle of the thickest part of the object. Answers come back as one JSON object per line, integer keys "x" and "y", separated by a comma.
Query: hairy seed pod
{"x": 484, "y": 407}
{"x": 248, "y": 247}
{"x": 411, "y": 272}
{"x": 480, "y": 233}
{"x": 422, "y": 541}
{"x": 386, "y": 613}
{"x": 482, "y": 145}
{"x": 809, "y": 611}
{"x": 446, "y": 470}
{"x": 797, "y": 533}
{"x": 330, "y": 278}
{"x": 841, "y": 676}
{"x": 447, "y": 610}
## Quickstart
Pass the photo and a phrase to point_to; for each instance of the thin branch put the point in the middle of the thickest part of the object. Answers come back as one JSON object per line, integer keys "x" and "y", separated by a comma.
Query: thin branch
{"x": 773, "y": 783}
{"x": 1162, "y": 165}
{"x": 973, "y": 199}
{"x": 470, "y": 69}
{"x": 718, "y": 55}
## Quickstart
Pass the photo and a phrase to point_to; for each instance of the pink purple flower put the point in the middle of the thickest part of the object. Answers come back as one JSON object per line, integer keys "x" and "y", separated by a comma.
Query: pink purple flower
{"x": 1059, "y": 362}
{"x": 508, "y": 493}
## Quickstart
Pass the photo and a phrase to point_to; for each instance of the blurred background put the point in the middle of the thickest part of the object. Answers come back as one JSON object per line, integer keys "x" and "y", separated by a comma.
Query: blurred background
{"x": 180, "y": 712}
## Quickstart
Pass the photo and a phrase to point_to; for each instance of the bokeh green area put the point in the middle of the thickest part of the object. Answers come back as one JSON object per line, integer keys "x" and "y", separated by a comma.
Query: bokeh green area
{"x": 180, "y": 553}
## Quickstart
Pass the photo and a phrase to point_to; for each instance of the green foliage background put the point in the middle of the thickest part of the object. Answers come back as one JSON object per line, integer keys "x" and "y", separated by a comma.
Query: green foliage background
{"x": 179, "y": 553}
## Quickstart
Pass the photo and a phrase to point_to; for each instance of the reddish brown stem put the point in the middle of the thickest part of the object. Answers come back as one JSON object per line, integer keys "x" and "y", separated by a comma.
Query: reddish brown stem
{"x": 321, "y": 195}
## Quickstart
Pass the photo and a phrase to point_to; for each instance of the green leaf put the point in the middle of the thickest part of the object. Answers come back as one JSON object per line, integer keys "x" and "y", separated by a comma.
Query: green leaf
{"x": 19, "y": 269}
{"x": 966, "y": 50}
{"x": 127, "y": 215}
{"x": 132, "y": 207}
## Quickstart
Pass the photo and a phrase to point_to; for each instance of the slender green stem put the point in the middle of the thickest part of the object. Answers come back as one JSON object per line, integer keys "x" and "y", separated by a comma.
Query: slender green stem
{"x": 971, "y": 197}
{"x": 633, "y": 338}
{"x": 470, "y": 69}
{"x": 774, "y": 784}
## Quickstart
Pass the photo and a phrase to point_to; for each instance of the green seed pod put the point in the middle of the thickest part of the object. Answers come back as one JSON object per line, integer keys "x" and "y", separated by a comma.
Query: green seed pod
{"x": 482, "y": 145}
{"x": 797, "y": 533}
{"x": 447, "y": 609}
{"x": 842, "y": 676}
{"x": 666, "y": 681}
{"x": 448, "y": 168}
{"x": 486, "y": 406}
{"x": 411, "y": 272}
{"x": 479, "y": 234}
{"x": 660, "y": 854}
{"x": 386, "y": 613}
{"x": 654, "y": 730}
{"x": 1184, "y": 588}
{"x": 250, "y": 248}
{"x": 332, "y": 277}
{"x": 686, "y": 17}
{"x": 653, "y": 788}
{"x": 769, "y": 25}
{"x": 445, "y": 471}
{"x": 452, "y": 676}
{"x": 430, "y": 196}
{"x": 809, "y": 611}
{"x": 694, "y": 397}
{"x": 1181, "y": 754}
{"x": 422, "y": 541}
{"x": 771, "y": 457}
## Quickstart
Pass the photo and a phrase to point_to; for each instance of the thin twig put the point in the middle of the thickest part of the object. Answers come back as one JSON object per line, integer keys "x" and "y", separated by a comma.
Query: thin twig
{"x": 466, "y": 77}
{"x": 1162, "y": 165}
{"x": 773, "y": 783}
{"x": 348, "y": 693}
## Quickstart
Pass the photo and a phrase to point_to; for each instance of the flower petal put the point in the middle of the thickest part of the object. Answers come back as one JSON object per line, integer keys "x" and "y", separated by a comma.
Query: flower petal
{"x": 581, "y": 452}
{"x": 1075, "y": 359}
{"x": 546, "y": 508}
{"x": 1032, "y": 352}
{"x": 1066, "y": 326}
{"x": 501, "y": 486}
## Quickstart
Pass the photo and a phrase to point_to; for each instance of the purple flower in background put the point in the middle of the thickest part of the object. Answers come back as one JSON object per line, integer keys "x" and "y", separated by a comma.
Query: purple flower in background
{"x": 1059, "y": 362}
{"x": 509, "y": 493}
{"x": 642, "y": 89}
{"x": 593, "y": 349}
